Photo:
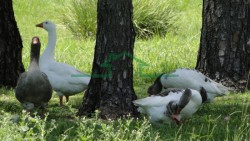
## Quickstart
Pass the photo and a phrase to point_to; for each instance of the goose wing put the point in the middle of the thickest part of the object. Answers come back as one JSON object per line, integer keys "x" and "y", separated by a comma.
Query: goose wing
{"x": 189, "y": 78}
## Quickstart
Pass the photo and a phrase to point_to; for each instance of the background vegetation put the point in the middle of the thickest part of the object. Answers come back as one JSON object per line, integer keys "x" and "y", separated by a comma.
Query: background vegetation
{"x": 227, "y": 118}
{"x": 150, "y": 18}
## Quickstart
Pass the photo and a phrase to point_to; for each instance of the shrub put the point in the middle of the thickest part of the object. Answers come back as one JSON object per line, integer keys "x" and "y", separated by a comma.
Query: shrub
{"x": 80, "y": 18}
{"x": 150, "y": 17}
{"x": 153, "y": 17}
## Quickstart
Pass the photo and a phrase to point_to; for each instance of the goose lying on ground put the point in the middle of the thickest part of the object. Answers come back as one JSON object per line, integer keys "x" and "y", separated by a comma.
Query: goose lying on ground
{"x": 60, "y": 74}
{"x": 33, "y": 87}
{"x": 188, "y": 78}
{"x": 171, "y": 106}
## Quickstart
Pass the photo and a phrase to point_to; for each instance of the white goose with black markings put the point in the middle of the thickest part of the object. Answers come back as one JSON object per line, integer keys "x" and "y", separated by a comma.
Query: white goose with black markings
{"x": 188, "y": 78}
{"x": 60, "y": 74}
{"x": 171, "y": 106}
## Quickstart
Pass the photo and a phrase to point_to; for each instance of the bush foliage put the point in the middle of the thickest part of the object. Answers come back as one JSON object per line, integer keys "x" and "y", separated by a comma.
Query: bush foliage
{"x": 150, "y": 17}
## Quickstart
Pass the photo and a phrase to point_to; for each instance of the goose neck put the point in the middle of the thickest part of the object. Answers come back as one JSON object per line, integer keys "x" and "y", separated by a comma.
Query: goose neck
{"x": 50, "y": 49}
{"x": 34, "y": 65}
{"x": 34, "y": 58}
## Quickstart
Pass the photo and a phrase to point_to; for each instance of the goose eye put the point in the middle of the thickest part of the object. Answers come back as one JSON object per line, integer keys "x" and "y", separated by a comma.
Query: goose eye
{"x": 46, "y": 22}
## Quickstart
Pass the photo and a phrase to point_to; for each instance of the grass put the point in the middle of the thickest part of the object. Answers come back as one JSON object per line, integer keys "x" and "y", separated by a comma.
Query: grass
{"x": 227, "y": 118}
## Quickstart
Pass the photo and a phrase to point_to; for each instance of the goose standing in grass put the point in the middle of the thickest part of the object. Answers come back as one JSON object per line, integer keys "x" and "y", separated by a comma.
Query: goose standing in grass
{"x": 60, "y": 74}
{"x": 188, "y": 78}
{"x": 171, "y": 105}
{"x": 33, "y": 87}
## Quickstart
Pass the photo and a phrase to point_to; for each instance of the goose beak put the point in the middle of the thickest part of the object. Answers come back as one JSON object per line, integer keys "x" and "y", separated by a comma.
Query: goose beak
{"x": 40, "y": 25}
{"x": 176, "y": 119}
{"x": 35, "y": 40}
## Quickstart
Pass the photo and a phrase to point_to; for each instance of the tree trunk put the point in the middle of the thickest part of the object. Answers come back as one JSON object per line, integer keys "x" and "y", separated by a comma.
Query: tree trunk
{"x": 111, "y": 86}
{"x": 225, "y": 42}
{"x": 10, "y": 46}
{"x": 248, "y": 82}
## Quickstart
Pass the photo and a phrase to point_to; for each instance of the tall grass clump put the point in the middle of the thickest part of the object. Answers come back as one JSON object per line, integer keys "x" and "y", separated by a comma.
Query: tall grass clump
{"x": 153, "y": 17}
{"x": 150, "y": 17}
{"x": 80, "y": 18}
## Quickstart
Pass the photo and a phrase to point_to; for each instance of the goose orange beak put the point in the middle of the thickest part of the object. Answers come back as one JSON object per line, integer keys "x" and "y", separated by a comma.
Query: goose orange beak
{"x": 40, "y": 25}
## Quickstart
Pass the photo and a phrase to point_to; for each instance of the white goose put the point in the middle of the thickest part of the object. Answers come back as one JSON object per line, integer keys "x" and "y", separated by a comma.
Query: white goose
{"x": 188, "y": 78}
{"x": 60, "y": 74}
{"x": 171, "y": 106}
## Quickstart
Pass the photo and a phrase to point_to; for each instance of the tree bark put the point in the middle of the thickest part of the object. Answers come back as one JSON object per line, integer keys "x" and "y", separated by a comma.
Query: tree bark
{"x": 111, "y": 86}
{"x": 10, "y": 46}
{"x": 225, "y": 42}
{"x": 248, "y": 82}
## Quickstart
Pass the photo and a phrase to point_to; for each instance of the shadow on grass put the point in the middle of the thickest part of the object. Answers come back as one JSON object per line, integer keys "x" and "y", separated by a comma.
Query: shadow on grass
{"x": 60, "y": 120}
{"x": 10, "y": 106}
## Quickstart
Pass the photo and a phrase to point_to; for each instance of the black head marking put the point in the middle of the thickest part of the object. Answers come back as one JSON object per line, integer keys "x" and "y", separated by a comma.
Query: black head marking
{"x": 205, "y": 79}
{"x": 171, "y": 108}
{"x": 156, "y": 87}
{"x": 185, "y": 98}
{"x": 175, "y": 90}
{"x": 165, "y": 93}
{"x": 203, "y": 93}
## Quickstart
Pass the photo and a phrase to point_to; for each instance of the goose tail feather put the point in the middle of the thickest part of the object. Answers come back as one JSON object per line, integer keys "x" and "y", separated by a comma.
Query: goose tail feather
{"x": 223, "y": 89}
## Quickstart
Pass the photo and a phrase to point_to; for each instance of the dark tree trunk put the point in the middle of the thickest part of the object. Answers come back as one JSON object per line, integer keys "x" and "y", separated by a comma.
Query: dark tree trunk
{"x": 225, "y": 42}
{"x": 248, "y": 82}
{"x": 111, "y": 86}
{"x": 10, "y": 46}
